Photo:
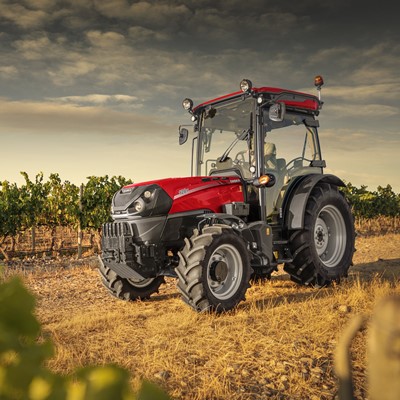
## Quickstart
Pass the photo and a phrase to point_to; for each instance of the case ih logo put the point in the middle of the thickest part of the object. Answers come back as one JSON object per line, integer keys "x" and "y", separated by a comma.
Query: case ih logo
{"x": 183, "y": 191}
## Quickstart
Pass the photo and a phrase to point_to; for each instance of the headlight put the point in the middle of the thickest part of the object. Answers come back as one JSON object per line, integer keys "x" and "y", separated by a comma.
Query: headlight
{"x": 142, "y": 201}
{"x": 147, "y": 194}
{"x": 138, "y": 206}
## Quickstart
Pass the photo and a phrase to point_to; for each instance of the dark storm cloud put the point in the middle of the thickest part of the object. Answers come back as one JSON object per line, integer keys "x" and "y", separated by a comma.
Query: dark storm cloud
{"x": 71, "y": 57}
{"x": 161, "y": 51}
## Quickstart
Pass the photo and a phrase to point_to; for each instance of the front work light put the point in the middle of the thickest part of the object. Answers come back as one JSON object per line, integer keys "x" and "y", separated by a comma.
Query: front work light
{"x": 187, "y": 104}
{"x": 245, "y": 85}
{"x": 266, "y": 180}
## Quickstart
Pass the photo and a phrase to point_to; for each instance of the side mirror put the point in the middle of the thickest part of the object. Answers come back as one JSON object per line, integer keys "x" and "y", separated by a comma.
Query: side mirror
{"x": 277, "y": 112}
{"x": 183, "y": 135}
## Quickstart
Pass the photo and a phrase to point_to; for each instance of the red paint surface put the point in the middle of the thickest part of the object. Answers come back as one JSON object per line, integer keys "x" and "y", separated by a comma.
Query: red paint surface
{"x": 310, "y": 102}
{"x": 198, "y": 193}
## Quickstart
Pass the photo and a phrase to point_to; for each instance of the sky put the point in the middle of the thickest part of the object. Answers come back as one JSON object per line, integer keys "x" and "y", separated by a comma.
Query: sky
{"x": 95, "y": 87}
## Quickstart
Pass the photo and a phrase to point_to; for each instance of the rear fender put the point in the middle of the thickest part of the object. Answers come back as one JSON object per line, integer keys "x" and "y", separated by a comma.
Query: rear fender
{"x": 296, "y": 197}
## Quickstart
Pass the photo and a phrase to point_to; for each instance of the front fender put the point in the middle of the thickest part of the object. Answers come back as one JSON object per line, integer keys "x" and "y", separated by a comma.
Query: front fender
{"x": 296, "y": 197}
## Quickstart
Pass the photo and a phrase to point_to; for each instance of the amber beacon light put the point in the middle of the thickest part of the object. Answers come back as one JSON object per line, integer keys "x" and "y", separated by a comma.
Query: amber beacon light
{"x": 318, "y": 81}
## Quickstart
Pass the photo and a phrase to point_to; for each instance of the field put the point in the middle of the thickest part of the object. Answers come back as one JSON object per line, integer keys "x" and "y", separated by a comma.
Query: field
{"x": 278, "y": 344}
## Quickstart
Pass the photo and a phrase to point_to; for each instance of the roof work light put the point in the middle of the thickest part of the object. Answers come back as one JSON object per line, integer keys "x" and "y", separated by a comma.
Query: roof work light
{"x": 187, "y": 104}
{"x": 245, "y": 85}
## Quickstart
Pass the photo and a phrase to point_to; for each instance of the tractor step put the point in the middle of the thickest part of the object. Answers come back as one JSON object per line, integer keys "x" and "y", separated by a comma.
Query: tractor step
{"x": 280, "y": 242}
{"x": 284, "y": 260}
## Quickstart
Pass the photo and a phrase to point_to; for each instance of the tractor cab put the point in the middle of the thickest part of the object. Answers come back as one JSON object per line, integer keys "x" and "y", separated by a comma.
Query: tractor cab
{"x": 257, "y": 132}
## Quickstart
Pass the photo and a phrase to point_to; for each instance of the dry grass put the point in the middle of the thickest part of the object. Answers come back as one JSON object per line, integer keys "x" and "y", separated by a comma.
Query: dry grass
{"x": 377, "y": 226}
{"x": 277, "y": 345}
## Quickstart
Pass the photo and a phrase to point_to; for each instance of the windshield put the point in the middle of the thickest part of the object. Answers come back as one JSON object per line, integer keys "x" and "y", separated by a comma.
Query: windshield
{"x": 225, "y": 137}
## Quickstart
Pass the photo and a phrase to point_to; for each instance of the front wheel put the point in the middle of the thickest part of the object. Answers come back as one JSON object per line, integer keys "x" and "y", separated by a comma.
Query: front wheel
{"x": 214, "y": 269}
{"x": 129, "y": 289}
{"x": 323, "y": 250}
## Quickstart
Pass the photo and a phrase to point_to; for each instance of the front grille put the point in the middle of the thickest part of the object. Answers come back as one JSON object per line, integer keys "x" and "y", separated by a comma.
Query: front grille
{"x": 123, "y": 198}
{"x": 115, "y": 229}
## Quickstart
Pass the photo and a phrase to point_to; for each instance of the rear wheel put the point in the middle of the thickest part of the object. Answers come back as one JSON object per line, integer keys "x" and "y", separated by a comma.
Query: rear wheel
{"x": 323, "y": 249}
{"x": 214, "y": 269}
{"x": 129, "y": 289}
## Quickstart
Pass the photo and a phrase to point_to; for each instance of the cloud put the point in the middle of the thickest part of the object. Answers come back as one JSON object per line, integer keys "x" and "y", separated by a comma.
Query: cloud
{"x": 34, "y": 48}
{"x": 112, "y": 8}
{"x": 41, "y": 4}
{"x": 145, "y": 13}
{"x": 140, "y": 34}
{"x": 67, "y": 73}
{"x": 357, "y": 140}
{"x": 105, "y": 39}
{"x": 8, "y": 71}
{"x": 66, "y": 118}
{"x": 364, "y": 110}
{"x": 364, "y": 93}
{"x": 23, "y": 17}
{"x": 99, "y": 100}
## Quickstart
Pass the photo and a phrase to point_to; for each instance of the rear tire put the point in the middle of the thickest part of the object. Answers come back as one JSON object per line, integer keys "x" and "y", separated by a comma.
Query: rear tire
{"x": 323, "y": 250}
{"x": 128, "y": 289}
{"x": 214, "y": 269}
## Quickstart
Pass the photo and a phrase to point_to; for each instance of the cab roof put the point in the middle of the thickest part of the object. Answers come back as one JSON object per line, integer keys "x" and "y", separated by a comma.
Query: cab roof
{"x": 293, "y": 100}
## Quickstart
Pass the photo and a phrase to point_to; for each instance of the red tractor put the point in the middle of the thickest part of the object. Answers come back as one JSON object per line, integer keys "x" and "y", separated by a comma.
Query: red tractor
{"x": 257, "y": 198}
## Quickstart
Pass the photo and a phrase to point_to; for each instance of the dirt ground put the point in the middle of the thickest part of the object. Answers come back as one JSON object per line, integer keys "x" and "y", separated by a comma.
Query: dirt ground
{"x": 63, "y": 287}
{"x": 377, "y": 255}
{"x": 277, "y": 344}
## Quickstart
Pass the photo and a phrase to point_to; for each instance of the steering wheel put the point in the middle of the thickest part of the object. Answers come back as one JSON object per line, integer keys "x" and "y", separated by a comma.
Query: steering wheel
{"x": 293, "y": 162}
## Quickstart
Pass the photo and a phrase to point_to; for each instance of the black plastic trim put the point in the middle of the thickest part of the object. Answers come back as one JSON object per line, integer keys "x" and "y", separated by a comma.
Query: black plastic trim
{"x": 296, "y": 198}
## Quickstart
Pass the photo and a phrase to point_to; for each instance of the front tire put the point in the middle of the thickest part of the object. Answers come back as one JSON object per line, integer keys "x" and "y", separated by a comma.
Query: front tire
{"x": 128, "y": 289}
{"x": 214, "y": 269}
{"x": 323, "y": 250}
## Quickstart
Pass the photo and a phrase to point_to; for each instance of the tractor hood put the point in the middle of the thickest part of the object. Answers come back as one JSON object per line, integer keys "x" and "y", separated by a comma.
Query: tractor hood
{"x": 176, "y": 195}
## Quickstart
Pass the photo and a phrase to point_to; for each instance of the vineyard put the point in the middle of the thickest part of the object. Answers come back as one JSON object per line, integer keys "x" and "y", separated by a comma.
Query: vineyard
{"x": 54, "y": 216}
{"x": 48, "y": 218}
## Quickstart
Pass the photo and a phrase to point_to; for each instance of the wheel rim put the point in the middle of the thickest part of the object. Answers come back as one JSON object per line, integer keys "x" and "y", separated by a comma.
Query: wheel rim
{"x": 224, "y": 272}
{"x": 330, "y": 236}
{"x": 139, "y": 283}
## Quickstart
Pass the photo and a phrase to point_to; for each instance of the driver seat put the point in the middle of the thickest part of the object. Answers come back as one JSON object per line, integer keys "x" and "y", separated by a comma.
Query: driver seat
{"x": 270, "y": 156}
{"x": 276, "y": 166}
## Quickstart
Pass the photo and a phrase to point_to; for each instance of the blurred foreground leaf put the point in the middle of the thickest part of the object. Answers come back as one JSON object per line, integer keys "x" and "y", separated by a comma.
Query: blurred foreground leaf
{"x": 23, "y": 374}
